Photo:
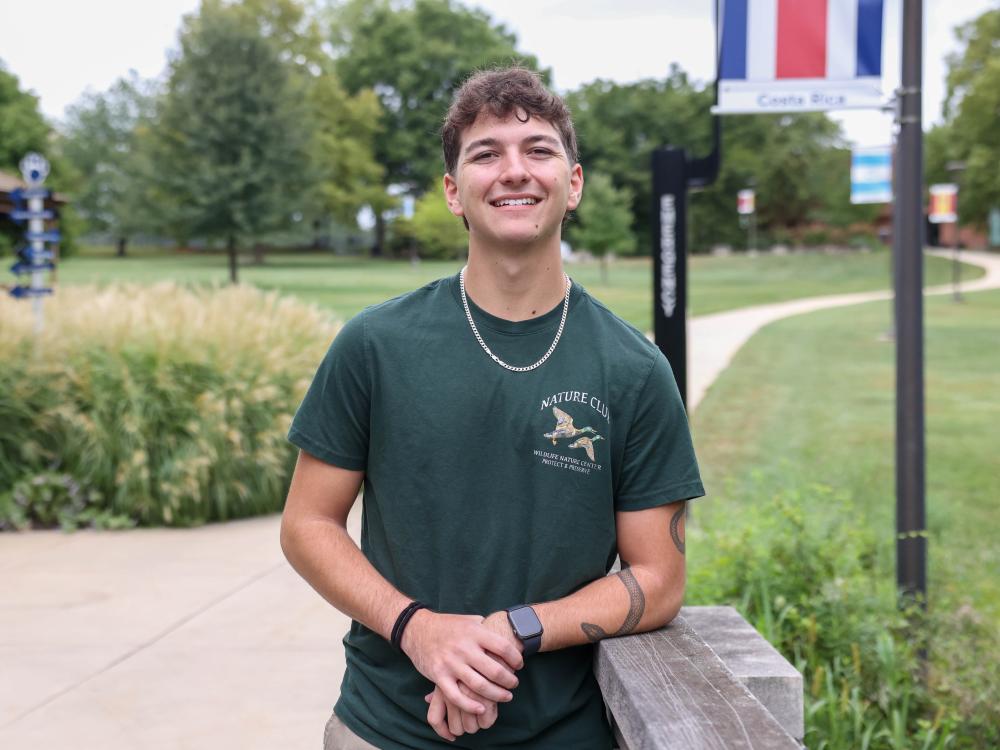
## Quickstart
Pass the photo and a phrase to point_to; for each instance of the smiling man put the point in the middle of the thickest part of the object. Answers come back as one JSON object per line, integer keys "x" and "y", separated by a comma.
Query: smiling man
{"x": 512, "y": 437}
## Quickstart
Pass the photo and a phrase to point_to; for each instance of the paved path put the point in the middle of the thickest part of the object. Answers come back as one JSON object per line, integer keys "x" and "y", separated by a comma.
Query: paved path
{"x": 205, "y": 638}
{"x": 715, "y": 339}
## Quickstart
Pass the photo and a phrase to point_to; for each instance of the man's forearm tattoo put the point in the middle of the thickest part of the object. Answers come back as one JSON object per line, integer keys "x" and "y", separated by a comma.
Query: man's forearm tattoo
{"x": 636, "y": 606}
{"x": 675, "y": 523}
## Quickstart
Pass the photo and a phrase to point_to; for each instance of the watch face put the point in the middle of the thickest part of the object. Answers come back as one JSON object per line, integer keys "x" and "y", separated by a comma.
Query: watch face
{"x": 525, "y": 622}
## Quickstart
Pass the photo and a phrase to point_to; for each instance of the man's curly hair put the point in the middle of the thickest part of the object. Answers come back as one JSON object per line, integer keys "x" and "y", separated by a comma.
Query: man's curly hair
{"x": 504, "y": 92}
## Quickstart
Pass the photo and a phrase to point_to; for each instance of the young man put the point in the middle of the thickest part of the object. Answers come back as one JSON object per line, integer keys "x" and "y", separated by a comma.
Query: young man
{"x": 512, "y": 436}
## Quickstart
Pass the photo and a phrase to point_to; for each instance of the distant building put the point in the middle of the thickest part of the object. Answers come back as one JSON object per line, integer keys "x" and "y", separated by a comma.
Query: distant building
{"x": 943, "y": 235}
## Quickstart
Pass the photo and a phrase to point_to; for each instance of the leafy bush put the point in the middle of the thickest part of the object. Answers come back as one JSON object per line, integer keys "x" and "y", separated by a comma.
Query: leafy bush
{"x": 780, "y": 236}
{"x": 163, "y": 405}
{"x": 817, "y": 236}
{"x": 823, "y": 592}
{"x": 49, "y": 499}
{"x": 438, "y": 232}
{"x": 866, "y": 241}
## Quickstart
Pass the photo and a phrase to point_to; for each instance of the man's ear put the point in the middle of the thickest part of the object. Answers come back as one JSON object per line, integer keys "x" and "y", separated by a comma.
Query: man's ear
{"x": 575, "y": 187}
{"x": 451, "y": 195}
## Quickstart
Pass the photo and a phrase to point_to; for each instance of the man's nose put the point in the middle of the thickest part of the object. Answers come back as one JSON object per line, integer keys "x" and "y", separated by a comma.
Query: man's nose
{"x": 515, "y": 170}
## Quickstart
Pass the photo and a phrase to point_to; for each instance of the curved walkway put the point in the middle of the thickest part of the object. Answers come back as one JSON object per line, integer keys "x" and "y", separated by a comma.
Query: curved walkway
{"x": 715, "y": 339}
{"x": 168, "y": 639}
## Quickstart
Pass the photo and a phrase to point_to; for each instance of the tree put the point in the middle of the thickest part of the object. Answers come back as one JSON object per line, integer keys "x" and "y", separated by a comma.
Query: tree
{"x": 603, "y": 220}
{"x": 787, "y": 157}
{"x": 940, "y": 148}
{"x": 414, "y": 55}
{"x": 24, "y": 129}
{"x": 972, "y": 105}
{"x": 619, "y": 126}
{"x": 831, "y": 188}
{"x": 101, "y": 141}
{"x": 232, "y": 137}
{"x": 790, "y": 166}
{"x": 342, "y": 126}
{"x": 344, "y": 131}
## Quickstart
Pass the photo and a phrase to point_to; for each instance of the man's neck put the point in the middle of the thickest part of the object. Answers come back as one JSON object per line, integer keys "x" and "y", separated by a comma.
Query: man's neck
{"x": 515, "y": 286}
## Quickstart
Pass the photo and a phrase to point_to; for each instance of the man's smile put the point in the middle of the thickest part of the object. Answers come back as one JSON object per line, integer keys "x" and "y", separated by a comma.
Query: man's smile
{"x": 515, "y": 201}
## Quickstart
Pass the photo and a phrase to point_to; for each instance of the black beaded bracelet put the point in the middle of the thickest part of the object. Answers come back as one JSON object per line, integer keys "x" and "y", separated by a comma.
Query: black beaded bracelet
{"x": 401, "y": 622}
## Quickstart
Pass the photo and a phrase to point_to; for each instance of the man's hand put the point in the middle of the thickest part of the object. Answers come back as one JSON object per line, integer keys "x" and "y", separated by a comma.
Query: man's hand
{"x": 453, "y": 649}
{"x": 450, "y": 721}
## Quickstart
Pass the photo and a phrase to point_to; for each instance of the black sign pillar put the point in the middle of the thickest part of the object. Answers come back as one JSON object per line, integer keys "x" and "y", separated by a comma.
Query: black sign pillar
{"x": 670, "y": 260}
{"x": 674, "y": 173}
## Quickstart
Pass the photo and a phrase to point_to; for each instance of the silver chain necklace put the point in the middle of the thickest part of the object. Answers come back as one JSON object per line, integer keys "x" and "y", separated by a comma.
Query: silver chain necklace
{"x": 495, "y": 358}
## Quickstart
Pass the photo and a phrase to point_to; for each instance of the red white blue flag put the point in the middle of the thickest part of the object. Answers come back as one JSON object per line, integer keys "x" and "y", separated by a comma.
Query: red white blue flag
{"x": 800, "y": 55}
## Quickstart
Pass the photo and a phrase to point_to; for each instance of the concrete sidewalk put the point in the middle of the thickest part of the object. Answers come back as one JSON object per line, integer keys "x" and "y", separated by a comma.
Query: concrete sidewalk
{"x": 206, "y": 638}
{"x": 162, "y": 638}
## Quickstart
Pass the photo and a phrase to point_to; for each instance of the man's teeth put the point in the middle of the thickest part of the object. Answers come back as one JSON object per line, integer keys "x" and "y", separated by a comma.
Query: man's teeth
{"x": 516, "y": 202}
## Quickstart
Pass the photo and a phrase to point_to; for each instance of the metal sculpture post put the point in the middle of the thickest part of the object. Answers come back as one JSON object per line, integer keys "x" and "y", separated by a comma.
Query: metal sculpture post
{"x": 34, "y": 258}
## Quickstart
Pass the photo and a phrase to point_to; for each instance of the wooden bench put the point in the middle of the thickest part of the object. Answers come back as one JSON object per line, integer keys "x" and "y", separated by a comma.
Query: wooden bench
{"x": 707, "y": 681}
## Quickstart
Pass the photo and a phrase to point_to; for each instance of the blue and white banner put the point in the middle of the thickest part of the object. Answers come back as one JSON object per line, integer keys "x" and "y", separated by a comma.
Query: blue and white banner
{"x": 871, "y": 174}
{"x": 800, "y": 55}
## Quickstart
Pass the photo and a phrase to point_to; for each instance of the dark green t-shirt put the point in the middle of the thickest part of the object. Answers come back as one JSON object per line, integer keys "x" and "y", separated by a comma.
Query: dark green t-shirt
{"x": 486, "y": 488}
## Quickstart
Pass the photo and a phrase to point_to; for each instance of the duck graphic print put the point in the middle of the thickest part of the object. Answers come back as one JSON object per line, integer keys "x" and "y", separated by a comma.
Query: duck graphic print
{"x": 573, "y": 437}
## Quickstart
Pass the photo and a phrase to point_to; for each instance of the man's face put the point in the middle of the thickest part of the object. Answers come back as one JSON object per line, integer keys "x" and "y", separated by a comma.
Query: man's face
{"x": 513, "y": 182}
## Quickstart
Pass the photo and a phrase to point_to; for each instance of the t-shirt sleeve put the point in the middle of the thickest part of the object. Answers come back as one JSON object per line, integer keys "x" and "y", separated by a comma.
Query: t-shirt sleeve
{"x": 659, "y": 466}
{"x": 332, "y": 423}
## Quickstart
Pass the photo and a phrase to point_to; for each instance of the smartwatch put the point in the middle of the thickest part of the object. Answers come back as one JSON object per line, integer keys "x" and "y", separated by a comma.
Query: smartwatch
{"x": 526, "y": 626}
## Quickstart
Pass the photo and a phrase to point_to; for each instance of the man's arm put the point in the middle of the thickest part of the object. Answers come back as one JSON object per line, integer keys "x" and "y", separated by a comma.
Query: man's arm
{"x": 646, "y": 594}
{"x": 314, "y": 538}
{"x": 444, "y": 648}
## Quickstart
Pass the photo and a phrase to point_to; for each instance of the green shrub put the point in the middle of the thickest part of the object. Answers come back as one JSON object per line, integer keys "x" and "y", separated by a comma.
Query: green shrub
{"x": 50, "y": 499}
{"x": 865, "y": 241}
{"x": 780, "y": 236}
{"x": 438, "y": 232}
{"x": 822, "y": 590}
{"x": 164, "y": 405}
{"x": 817, "y": 236}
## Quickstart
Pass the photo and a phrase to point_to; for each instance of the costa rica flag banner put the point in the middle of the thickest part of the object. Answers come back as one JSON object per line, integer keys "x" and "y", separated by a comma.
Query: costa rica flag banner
{"x": 800, "y": 56}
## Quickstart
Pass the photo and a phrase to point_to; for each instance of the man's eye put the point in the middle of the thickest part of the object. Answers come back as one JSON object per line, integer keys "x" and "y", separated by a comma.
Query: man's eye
{"x": 483, "y": 155}
{"x": 542, "y": 151}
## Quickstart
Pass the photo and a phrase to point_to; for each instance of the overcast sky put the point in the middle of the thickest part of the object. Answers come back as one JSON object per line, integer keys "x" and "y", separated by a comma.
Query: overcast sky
{"x": 60, "y": 48}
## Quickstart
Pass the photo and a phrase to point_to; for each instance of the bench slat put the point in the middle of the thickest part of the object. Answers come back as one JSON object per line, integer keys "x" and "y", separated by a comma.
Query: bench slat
{"x": 667, "y": 689}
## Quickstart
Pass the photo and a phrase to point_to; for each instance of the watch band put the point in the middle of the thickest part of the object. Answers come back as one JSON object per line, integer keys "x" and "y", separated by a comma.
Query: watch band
{"x": 530, "y": 633}
{"x": 531, "y": 645}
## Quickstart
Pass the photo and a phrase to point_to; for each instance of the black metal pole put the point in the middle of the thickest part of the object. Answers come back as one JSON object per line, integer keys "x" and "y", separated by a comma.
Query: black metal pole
{"x": 911, "y": 537}
{"x": 956, "y": 272}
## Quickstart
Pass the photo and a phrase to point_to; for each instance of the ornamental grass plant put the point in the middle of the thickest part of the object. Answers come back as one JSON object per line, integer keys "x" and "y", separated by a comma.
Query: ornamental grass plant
{"x": 151, "y": 405}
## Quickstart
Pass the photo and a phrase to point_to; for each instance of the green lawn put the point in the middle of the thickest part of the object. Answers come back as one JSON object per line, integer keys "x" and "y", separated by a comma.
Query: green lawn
{"x": 810, "y": 399}
{"x": 347, "y": 284}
